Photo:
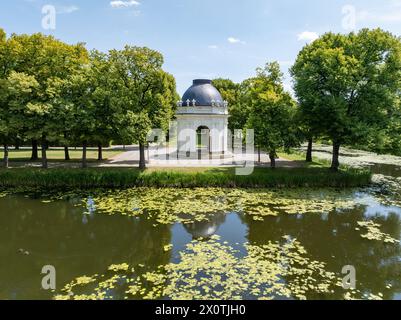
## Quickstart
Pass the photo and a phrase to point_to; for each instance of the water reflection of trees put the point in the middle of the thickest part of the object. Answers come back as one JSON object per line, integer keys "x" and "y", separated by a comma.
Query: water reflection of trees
{"x": 332, "y": 238}
{"x": 59, "y": 235}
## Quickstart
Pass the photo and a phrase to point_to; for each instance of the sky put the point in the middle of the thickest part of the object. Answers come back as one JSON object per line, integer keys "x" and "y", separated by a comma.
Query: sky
{"x": 202, "y": 38}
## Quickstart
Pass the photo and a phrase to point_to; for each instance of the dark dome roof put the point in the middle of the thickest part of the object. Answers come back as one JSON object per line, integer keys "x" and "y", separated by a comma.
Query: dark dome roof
{"x": 203, "y": 92}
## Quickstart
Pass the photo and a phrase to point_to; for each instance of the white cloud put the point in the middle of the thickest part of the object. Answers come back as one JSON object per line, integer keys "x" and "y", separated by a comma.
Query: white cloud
{"x": 124, "y": 4}
{"x": 235, "y": 40}
{"x": 213, "y": 46}
{"x": 307, "y": 36}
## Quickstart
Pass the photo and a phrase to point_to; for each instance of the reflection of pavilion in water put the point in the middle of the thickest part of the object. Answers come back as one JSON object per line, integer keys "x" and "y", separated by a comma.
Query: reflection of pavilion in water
{"x": 205, "y": 229}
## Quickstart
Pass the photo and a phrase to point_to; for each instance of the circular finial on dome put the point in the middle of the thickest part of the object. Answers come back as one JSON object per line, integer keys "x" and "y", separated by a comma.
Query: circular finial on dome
{"x": 203, "y": 92}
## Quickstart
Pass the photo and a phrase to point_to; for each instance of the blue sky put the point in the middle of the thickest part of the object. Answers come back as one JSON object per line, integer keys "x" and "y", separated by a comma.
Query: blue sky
{"x": 203, "y": 38}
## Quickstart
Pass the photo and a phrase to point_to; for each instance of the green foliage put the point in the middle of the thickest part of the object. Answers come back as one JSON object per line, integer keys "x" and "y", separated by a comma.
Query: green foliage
{"x": 53, "y": 91}
{"x": 214, "y": 270}
{"x": 100, "y": 101}
{"x": 2, "y": 35}
{"x": 272, "y": 110}
{"x": 17, "y": 94}
{"x": 235, "y": 95}
{"x": 146, "y": 94}
{"x": 50, "y": 61}
{"x": 34, "y": 67}
{"x": 387, "y": 140}
{"x": 144, "y": 90}
{"x": 347, "y": 85}
{"x": 347, "y": 88}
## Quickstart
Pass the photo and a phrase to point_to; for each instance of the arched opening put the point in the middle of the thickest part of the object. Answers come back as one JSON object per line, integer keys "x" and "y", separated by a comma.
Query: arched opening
{"x": 203, "y": 140}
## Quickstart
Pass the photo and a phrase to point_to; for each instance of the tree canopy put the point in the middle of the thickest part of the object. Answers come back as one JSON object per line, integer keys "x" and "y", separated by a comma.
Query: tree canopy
{"x": 233, "y": 93}
{"x": 146, "y": 93}
{"x": 271, "y": 111}
{"x": 53, "y": 91}
{"x": 347, "y": 85}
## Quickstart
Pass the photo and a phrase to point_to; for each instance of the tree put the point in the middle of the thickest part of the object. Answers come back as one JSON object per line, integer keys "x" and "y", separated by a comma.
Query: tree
{"x": 348, "y": 85}
{"x": 235, "y": 94}
{"x": 17, "y": 93}
{"x": 271, "y": 111}
{"x": 146, "y": 92}
{"x": 230, "y": 92}
{"x": 48, "y": 60}
{"x": 388, "y": 139}
{"x": 84, "y": 105}
{"x": 392, "y": 134}
{"x": 3, "y": 36}
{"x": 80, "y": 109}
{"x": 7, "y": 134}
{"x": 3, "y": 75}
{"x": 104, "y": 85}
{"x": 305, "y": 125}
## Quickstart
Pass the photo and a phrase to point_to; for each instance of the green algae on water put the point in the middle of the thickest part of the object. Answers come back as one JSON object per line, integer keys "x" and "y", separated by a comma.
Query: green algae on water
{"x": 214, "y": 270}
{"x": 169, "y": 206}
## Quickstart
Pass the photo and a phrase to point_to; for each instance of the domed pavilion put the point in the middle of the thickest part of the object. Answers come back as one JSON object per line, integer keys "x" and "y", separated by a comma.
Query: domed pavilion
{"x": 202, "y": 121}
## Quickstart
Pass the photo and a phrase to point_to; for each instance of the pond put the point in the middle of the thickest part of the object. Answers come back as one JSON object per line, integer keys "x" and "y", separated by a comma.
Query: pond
{"x": 202, "y": 243}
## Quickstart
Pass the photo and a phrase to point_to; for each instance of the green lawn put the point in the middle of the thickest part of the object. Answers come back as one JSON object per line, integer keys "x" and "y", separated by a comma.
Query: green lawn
{"x": 300, "y": 157}
{"x": 58, "y": 154}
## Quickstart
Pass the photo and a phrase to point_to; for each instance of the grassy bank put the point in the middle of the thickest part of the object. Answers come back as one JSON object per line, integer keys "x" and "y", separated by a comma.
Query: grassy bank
{"x": 57, "y": 155}
{"x": 187, "y": 178}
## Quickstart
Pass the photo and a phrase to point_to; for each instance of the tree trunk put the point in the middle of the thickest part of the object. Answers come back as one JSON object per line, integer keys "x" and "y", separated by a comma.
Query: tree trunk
{"x": 335, "y": 164}
{"x": 258, "y": 154}
{"x": 142, "y": 161}
{"x": 66, "y": 154}
{"x": 309, "y": 151}
{"x": 168, "y": 150}
{"x": 99, "y": 152}
{"x": 34, "y": 156}
{"x": 5, "y": 156}
{"x": 66, "y": 149}
{"x": 272, "y": 156}
{"x": 84, "y": 162}
{"x": 44, "y": 153}
{"x": 17, "y": 147}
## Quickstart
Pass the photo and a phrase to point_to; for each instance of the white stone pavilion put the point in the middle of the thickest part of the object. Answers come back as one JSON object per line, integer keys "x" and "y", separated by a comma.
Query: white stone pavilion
{"x": 202, "y": 121}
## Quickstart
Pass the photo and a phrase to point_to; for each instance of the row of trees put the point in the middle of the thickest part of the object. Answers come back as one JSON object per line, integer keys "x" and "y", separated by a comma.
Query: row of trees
{"x": 53, "y": 92}
{"x": 347, "y": 89}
